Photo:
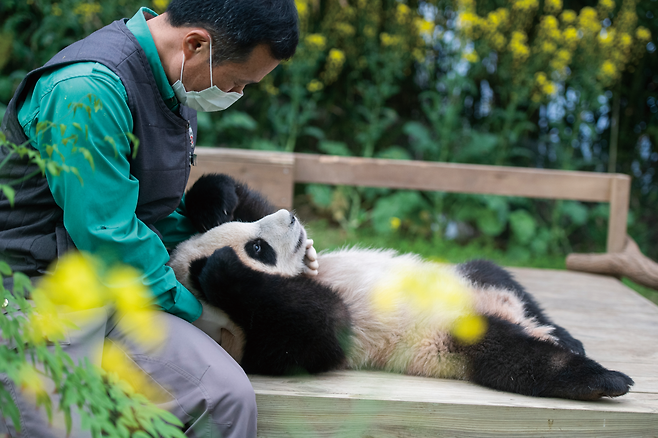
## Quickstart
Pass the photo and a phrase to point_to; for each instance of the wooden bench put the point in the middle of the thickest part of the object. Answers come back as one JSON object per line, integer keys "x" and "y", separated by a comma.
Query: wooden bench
{"x": 618, "y": 327}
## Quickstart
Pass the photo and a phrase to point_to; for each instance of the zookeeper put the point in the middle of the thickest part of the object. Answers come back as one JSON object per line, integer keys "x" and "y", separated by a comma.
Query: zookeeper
{"x": 151, "y": 73}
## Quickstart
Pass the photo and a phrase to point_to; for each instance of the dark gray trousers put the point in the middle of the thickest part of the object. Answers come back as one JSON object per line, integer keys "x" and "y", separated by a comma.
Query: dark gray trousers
{"x": 190, "y": 375}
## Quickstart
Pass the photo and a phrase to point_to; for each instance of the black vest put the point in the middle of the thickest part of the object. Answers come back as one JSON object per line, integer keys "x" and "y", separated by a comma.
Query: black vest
{"x": 32, "y": 233}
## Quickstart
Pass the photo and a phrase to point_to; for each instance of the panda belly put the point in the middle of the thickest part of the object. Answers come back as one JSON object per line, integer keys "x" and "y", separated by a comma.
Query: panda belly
{"x": 393, "y": 341}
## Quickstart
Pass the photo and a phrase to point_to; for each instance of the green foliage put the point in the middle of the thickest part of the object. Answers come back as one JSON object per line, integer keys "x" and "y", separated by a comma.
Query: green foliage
{"x": 409, "y": 79}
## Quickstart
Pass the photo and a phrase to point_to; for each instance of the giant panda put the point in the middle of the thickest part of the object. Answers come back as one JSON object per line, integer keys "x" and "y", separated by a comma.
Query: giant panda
{"x": 274, "y": 320}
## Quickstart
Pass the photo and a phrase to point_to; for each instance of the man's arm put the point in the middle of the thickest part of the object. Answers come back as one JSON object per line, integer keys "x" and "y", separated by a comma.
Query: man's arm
{"x": 99, "y": 212}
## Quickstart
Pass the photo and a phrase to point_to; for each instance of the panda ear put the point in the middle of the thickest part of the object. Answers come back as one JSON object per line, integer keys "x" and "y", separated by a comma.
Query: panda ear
{"x": 211, "y": 201}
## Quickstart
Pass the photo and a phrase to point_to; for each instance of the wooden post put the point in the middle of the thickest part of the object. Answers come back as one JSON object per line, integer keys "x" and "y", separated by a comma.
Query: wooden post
{"x": 620, "y": 189}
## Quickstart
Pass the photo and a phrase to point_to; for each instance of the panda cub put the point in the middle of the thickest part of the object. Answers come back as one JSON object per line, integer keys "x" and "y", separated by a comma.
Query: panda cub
{"x": 276, "y": 321}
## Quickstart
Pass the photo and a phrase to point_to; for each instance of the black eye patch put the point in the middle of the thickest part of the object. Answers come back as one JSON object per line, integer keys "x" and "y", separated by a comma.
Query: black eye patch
{"x": 260, "y": 250}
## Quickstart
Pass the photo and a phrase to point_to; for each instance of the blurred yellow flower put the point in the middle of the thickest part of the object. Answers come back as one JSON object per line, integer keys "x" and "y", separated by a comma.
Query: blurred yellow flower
{"x": 314, "y": 86}
{"x": 471, "y": 56}
{"x": 315, "y": 41}
{"x": 56, "y": 10}
{"x": 608, "y": 70}
{"x": 643, "y": 34}
{"x": 518, "y": 48}
{"x": 344, "y": 29}
{"x": 160, "y": 5}
{"x": 73, "y": 284}
{"x": 552, "y": 6}
{"x": 570, "y": 37}
{"x": 86, "y": 11}
{"x": 118, "y": 365}
{"x": 395, "y": 223}
{"x": 568, "y": 16}
{"x": 302, "y": 8}
{"x": 498, "y": 41}
{"x": 433, "y": 293}
{"x": 30, "y": 380}
{"x": 403, "y": 13}
{"x": 424, "y": 27}
{"x": 605, "y": 7}
{"x": 588, "y": 20}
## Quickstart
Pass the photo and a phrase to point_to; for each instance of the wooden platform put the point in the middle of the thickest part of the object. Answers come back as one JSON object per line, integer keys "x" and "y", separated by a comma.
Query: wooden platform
{"x": 618, "y": 327}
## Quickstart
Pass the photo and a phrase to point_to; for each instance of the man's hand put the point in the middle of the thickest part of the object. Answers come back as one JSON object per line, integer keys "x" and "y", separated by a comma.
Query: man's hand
{"x": 310, "y": 260}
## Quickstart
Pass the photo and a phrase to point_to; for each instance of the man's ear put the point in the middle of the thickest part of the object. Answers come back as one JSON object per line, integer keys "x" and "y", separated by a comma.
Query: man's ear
{"x": 196, "y": 42}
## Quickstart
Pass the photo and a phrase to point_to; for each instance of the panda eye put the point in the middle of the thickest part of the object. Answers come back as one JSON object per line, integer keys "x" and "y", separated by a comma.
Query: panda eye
{"x": 256, "y": 247}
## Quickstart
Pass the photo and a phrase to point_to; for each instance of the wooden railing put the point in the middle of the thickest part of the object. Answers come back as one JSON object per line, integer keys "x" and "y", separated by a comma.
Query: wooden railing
{"x": 275, "y": 174}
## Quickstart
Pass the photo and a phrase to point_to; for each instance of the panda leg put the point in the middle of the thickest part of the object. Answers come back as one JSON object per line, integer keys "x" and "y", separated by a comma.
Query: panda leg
{"x": 487, "y": 274}
{"x": 507, "y": 359}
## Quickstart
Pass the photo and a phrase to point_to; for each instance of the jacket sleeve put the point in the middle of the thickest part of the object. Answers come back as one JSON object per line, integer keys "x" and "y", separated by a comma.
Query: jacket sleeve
{"x": 99, "y": 202}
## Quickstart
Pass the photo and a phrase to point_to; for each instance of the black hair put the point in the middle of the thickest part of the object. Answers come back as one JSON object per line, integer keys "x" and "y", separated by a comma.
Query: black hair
{"x": 238, "y": 26}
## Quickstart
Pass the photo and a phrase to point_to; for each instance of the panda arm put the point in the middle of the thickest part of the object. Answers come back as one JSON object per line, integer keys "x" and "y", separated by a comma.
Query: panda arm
{"x": 211, "y": 201}
{"x": 291, "y": 324}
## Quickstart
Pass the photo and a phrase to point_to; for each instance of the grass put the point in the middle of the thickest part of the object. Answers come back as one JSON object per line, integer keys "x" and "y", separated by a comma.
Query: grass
{"x": 326, "y": 236}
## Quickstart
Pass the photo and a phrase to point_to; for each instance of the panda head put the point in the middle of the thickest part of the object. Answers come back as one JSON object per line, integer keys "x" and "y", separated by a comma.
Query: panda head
{"x": 275, "y": 244}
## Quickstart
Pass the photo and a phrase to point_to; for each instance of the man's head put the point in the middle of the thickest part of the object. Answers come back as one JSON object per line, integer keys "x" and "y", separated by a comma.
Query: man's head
{"x": 238, "y": 26}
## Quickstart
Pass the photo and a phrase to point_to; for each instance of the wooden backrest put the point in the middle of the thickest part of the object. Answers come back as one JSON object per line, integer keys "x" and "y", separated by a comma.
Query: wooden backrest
{"x": 275, "y": 174}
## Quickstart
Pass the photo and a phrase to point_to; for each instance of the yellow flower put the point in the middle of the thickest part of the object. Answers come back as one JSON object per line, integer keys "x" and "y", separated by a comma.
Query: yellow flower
{"x": 73, "y": 284}
{"x": 518, "y": 48}
{"x": 389, "y": 40}
{"x": 314, "y": 86}
{"x": 395, "y": 223}
{"x": 402, "y": 13}
{"x": 608, "y": 72}
{"x": 118, "y": 365}
{"x": 30, "y": 379}
{"x": 344, "y": 29}
{"x": 160, "y": 5}
{"x": 86, "y": 11}
{"x": 133, "y": 303}
{"x": 315, "y": 41}
{"x": 568, "y": 16}
{"x": 643, "y": 34}
{"x": 302, "y": 8}
{"x": 424, "y": 27}
{"x": 434, "y": 294}
{"x": 570, "y": 37}
{"x": 561, "y": 60}
{"x": 552, "y": 6}
{"x": 498, "y": 41}
{"x": 605, "y": 7}
{"x": 470, "y": 328}
{"x": 588, "y": 20}
{"x": 606, "y": 37}
{"x": 548, "y": 47}
{"x": 471, "y": 57}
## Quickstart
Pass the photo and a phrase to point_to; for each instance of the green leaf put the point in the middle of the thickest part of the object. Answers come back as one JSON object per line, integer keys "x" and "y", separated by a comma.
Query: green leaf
{"x": 62, "y": 129}
{"x": 523, "y": 226}
{"x": 53, "y": 168}
{"x": 77, "y": 126}
{"x": 575, "y": 211}
{"x": 5, "y": 269}
{"x": 90, "y": 158}
{"x": 334, "y": 148}
{"x": 321, "y": 195}
{"x": 9, "y": 193}
{"x": 135, "y": 142}
{"x": 489, "y": 223}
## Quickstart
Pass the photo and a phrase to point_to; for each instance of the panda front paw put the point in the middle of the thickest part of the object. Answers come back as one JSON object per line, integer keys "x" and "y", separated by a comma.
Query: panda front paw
{"x": 311, "y": 264}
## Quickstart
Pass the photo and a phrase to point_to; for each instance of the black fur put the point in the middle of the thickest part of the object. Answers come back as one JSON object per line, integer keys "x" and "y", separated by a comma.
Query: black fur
{"x": 262, "y": 251}
{"x": 291, "y": 325}
{"x": 486, "y": 273}
{"x": 508, "y": 359}
{"x": 297, "y": 324}
{"x": 217, "y": 198}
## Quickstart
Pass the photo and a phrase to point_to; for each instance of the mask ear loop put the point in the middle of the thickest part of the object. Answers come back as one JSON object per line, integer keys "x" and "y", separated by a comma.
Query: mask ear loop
{"x": 181, "y": 70}
{"x": 210, "y": 39}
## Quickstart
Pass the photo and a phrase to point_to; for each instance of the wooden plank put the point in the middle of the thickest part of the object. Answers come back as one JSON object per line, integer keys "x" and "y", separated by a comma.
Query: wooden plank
{"x": 619, "y": 200}
{"x": 452, "y": 177}
{"x": 271, "y": 173}
{"x": 617, "y": 326}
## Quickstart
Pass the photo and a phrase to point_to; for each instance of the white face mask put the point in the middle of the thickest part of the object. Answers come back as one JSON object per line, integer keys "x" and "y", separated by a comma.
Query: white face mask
{"x": 208, "y": 100}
